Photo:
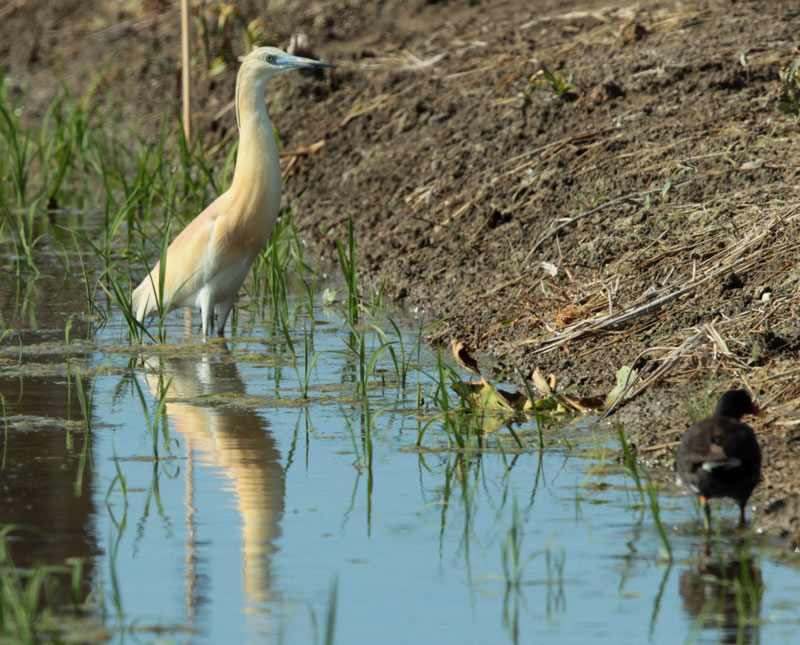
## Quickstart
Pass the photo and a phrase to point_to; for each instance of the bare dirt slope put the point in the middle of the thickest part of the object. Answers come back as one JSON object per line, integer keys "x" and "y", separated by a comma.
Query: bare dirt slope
{"x": 648, "y": 217}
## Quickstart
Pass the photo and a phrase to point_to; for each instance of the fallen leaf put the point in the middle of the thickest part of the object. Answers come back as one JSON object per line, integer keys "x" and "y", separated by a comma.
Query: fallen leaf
{"x": 463, "y": 357}
{"x": 541, "y": 383}
{"x": 483, "y": 396}
{"x": 585, "y": 403}
{"x": 517, "y": 400}
{"x": 625, "y": 376}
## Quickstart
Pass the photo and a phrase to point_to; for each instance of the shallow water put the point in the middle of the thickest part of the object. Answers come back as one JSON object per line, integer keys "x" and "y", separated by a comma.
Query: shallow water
{"x": 264, "y": 510}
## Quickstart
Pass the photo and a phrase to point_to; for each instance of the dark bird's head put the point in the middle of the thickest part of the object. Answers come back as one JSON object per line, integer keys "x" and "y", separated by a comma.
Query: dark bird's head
{"x": 735, "y": 404}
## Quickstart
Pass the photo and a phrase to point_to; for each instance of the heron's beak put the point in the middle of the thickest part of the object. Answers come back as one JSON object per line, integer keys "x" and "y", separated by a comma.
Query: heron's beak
{"x": 288, "y": 62}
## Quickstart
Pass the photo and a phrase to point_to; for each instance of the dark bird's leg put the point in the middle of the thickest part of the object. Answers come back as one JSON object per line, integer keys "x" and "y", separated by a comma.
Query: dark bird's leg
{"x": 707, "y": 508}
{"x": 741, "y": 513}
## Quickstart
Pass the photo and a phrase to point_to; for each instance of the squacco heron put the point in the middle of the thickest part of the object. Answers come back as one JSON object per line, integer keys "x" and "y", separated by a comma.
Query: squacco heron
{"x": 210, "y": 259}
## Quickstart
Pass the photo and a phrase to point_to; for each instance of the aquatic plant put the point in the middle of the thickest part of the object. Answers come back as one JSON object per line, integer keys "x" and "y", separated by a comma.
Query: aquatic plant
{"x": 347, "y": 262}
{"x": 629, "y": 461}
{"x": 30, "y": 604}
{"x": 157, "y": 422}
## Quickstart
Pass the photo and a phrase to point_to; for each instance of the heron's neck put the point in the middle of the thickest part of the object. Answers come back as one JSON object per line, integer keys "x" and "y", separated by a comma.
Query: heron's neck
{"x": 256, "y": 185}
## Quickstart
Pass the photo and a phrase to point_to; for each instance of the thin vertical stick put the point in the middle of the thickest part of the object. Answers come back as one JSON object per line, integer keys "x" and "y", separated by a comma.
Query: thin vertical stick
{"x": 187, "y": 128}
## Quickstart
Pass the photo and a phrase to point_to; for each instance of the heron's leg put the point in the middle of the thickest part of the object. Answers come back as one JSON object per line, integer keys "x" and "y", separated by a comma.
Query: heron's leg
{"x": 206, "y": 313}
{"x": 222, "y": 315}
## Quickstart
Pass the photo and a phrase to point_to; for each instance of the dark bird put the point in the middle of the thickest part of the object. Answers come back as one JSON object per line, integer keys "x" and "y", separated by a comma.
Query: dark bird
{"x": 719, "y": 456}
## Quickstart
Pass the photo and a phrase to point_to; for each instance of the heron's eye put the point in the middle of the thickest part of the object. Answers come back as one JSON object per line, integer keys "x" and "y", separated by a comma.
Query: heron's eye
{"x": 270, "y": 58}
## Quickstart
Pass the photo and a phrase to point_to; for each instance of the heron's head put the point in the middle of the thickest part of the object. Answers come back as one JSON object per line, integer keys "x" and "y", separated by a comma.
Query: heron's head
{"x": 271, "y": 61}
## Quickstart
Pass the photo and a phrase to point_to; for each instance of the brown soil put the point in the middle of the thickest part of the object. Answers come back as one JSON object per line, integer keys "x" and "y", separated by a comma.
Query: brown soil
{"x": 648, "y": 218}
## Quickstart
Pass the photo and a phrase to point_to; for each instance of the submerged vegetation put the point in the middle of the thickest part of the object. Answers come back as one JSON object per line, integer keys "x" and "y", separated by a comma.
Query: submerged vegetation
{"x": 34, "y": 602}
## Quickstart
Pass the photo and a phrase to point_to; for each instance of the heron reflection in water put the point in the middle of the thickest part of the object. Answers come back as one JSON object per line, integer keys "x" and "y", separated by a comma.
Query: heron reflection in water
{"x": 234, "y": 441}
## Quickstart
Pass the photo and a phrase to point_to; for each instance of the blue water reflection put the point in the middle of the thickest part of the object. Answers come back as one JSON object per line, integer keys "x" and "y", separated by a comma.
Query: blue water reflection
{"x": 262, "y": 502}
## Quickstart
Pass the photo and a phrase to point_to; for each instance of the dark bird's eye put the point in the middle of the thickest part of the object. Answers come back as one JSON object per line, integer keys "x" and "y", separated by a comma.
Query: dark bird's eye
{"x": 269, "y": 58}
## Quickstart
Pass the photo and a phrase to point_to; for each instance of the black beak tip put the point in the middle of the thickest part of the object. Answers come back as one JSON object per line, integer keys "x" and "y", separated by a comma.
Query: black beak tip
{"x": 315, "y": 70}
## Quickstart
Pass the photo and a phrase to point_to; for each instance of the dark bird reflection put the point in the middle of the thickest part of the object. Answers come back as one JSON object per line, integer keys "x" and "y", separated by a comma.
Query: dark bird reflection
{"x": 233, "y": 440}
{"x": 727, "y": 597}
